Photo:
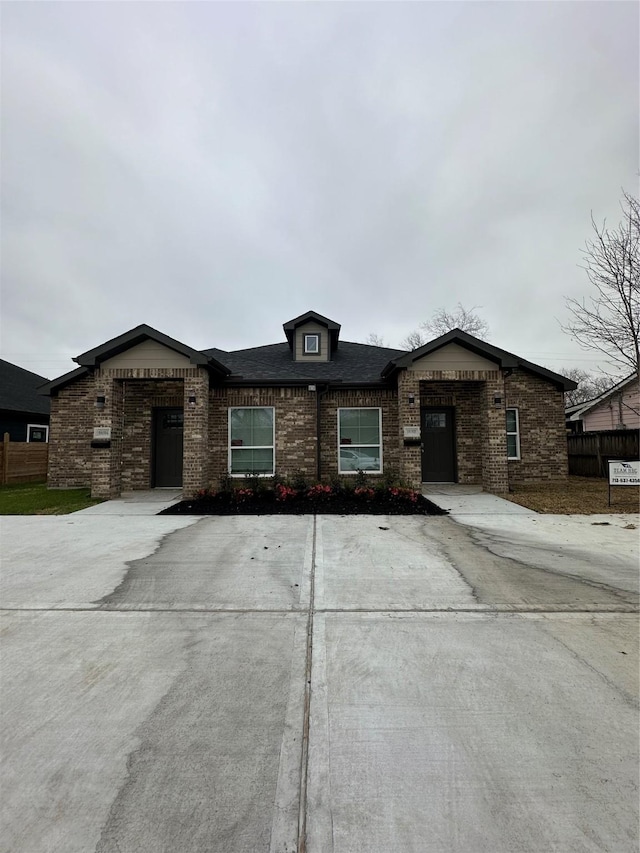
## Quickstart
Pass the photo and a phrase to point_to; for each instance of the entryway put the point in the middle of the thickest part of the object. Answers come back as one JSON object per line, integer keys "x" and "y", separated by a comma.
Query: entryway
{"x": 168, "y": 429}
{"x": 438, "y": 444}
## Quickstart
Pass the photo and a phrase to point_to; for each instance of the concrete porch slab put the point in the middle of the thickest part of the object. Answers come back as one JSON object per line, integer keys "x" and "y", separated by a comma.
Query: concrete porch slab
{"x": 470, "y": 500}
{"x": 149, "y": 502}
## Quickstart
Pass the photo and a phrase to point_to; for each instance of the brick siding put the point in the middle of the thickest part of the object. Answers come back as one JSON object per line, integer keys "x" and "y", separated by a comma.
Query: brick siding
{"x": 132, "y": 394}
{"x": 543, "y": 438}
{"x": 70, "y": 433}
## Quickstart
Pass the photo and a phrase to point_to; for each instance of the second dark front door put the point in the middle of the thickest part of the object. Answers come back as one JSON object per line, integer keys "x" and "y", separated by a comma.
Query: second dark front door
{"x": 438, "y": 445}
{"x": 167, "y": 447}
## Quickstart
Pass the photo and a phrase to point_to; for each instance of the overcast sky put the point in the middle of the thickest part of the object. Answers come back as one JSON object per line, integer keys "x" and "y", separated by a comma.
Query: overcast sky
{"x": 216, "y": 169}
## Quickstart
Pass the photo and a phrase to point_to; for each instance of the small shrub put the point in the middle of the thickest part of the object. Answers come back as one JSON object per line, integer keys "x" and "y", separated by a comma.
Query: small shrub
{"x": 320, "y": 490}
{"x": 285, "y": 493}
{"x": 364, "y": 493}
{"x": 361, "y": 478}
{"x": 226, "y": 483}
{"x": 299, "y": 481}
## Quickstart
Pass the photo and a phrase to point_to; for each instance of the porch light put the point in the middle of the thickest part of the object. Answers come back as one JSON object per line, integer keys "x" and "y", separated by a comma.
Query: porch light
{"x": 497, "y": 399}
{"x": 100, "y": 401}
{"x": 191, "y": 399}
{"x": 412, "y": 400}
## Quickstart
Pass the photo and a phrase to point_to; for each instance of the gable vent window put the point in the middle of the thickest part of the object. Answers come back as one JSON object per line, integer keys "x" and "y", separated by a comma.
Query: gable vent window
{"x": 312, "y": 344}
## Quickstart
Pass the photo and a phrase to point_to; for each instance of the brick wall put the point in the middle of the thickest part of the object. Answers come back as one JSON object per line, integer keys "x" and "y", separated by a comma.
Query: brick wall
{"x": 295, "y": 427}
{"x": 70, "y": 433}
{"x": 543, "y": 439}
{"x": 387, "y": 400}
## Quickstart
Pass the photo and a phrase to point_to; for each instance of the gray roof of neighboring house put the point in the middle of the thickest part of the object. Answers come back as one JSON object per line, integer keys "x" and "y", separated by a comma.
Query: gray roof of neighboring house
{"x": 351, "y": 363}
{"x": 19, "y": 390}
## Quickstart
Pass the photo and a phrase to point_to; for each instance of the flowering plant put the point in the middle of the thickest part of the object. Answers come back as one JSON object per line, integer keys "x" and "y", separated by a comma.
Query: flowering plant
{"x": 243, "y": 494}
{"x": 319, "y": 491}
{"x": 206, "y": 493}
{"x": 284, "y": 493}
{"x": 364, "y": 492}
{"x": 403, "y": 493}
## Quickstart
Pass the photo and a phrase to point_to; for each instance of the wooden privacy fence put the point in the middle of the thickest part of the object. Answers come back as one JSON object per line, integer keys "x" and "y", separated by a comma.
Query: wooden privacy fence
{"x": 589, "y": 452}
{"x": 22, "y": 461}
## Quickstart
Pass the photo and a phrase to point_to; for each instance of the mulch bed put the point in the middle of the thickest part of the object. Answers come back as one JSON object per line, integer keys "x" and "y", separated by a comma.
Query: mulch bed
{"x": 224, "y": 504}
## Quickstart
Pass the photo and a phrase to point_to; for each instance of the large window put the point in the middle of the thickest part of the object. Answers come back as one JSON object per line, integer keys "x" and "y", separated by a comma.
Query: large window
{"x": 359, "y": 440}
{"x": 513, "y": 434}
{"x": 251, "y": 445}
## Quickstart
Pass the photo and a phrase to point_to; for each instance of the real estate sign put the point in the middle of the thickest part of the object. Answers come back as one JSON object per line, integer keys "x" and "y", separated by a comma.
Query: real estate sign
{"x": 624, "y": 473}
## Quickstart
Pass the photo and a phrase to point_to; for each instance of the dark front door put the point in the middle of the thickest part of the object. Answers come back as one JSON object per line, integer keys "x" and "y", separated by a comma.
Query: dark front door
{"x": 167, "y": 447}
{"x": 438, "y": 445}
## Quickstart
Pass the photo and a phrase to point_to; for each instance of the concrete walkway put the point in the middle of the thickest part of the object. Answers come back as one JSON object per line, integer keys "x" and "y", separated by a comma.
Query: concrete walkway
{"x": 290, "y": 683}
{"x": 149, "y": 502}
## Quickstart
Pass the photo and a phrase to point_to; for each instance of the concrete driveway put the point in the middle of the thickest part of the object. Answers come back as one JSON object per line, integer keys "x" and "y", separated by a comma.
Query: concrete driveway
{"x": 374, "y": 684}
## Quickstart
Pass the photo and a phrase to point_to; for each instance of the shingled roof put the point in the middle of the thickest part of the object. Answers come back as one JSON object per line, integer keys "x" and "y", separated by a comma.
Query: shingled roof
{"x": 351, "y": 363}
{"x": 18, "y": 390}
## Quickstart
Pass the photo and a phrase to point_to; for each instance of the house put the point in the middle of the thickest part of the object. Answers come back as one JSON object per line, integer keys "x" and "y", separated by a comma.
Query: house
{"x": 24, "y": 413}
{"x": 144, "y": 410}
{"x": 617, "y": 408}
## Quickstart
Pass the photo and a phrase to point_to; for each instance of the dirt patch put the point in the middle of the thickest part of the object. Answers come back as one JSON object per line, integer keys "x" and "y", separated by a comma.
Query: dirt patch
{"x": 576, "y": 496}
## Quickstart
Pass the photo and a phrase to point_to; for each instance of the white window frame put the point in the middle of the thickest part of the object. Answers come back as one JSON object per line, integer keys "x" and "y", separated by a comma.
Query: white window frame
{"x": 256, "y": 447}
{"x": 307, "y": 335}
{"x": 515, "y": 432}
{"x": 377, "y": 446}
{"x": 38, "y": 426}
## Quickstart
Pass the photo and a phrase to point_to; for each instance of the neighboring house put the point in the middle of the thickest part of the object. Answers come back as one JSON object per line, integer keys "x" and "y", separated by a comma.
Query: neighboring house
{"x": 144, "y": 410}
{"x": 24, "y": 412}
{"x": 617, "y": 408}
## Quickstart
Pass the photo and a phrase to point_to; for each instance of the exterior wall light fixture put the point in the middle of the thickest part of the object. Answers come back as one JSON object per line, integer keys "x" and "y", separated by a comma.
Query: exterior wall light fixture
{"x": 100, "y": 401}
{"x": 497, "y": 399}
{"x": 412, "y": 400}
{"x": 191, "y": 399}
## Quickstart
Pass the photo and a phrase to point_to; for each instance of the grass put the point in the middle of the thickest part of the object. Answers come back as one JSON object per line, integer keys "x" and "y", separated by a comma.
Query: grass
{"x": 36, "y": 499}
{"x": 576, "y": 496}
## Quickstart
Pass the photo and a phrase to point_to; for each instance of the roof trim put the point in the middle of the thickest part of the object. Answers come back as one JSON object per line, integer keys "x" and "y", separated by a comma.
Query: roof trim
{"x": 52, "y": 388}
{"x": 505, "y": 360}
{"x": 93, "y": 357}
{"x": 580, "y": 409}
{"x": 312, "y": 316}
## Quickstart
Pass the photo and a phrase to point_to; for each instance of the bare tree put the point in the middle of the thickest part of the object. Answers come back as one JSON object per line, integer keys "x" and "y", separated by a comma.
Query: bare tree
{"x": 374, "y": 340}
{"x": 609, "y": 319}
{"x": 589, "y": 387}
{"x": 443, "y": 321}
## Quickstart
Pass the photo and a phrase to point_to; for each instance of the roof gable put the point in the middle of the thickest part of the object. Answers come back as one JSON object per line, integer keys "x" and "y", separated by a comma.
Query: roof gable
{"x": 503, "y": 359}
{"x": 332, "y": 327}
{"x": 142, "y": 333}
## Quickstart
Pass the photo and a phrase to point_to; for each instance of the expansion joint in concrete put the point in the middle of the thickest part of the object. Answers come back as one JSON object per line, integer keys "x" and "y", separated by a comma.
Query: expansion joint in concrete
{"x": 304, "y": 773}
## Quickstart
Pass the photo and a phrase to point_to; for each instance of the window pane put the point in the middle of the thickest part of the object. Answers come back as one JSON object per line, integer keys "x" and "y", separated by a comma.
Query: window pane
{"x": 311, "y": 343}
{"x": 245, "y": 461}
{"x": 511, "y": 420}
{"x": 435, "y": 420}
{"x": 360, "y": 426}
{"x": 359, "y": 459}
{"x": 252, "y": 427}
{"x": 512, "y": 446}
